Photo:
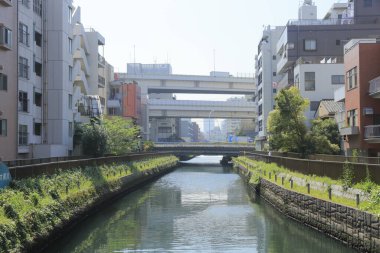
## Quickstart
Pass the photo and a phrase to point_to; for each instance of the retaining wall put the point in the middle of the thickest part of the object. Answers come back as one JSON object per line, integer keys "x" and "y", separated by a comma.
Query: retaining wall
{"x": 321, "y": 168}
{"x": 20, "y": 172}
{"x": 357, "y": 229}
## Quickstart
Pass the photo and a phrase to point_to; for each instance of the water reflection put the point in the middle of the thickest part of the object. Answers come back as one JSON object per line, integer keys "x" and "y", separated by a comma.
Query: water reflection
{"x": 194, "y": 209}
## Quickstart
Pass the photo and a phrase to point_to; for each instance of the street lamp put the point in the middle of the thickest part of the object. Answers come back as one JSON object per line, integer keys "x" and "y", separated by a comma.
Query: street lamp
{"x": 209, "y": 127}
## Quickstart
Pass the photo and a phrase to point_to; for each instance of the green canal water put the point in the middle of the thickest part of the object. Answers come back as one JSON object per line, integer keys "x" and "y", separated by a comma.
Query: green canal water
{"x": 200, "y": 207}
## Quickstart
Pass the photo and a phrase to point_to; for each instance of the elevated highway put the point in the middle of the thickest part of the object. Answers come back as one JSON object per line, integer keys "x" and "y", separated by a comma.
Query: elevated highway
{"x": 201, "y": 109}
{"x": 192, "y": 84}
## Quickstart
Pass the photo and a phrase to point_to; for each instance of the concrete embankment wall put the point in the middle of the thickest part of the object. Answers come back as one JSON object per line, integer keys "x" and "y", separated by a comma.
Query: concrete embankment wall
{"x": 358, "y": 229}
{"x": 25, "y": 171}
{"x": 128, "y": 183}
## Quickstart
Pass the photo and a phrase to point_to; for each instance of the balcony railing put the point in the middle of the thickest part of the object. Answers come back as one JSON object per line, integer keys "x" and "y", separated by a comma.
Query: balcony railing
{"x": 320, "y": 60}
{"x": 372, "y": 132}
{"x": 353, "y": 130}
{"x": 374, "y": 86}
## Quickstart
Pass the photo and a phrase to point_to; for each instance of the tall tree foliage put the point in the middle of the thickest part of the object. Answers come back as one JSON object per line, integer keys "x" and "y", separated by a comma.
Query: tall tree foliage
{"x": 93, "y": 138}
{"x": 122, "y": 135}
{"x": 114, "y": 135}
{"x": 324, "y": 135}
{"x": 288, "y": 132}
{"x": 286, "y": 123}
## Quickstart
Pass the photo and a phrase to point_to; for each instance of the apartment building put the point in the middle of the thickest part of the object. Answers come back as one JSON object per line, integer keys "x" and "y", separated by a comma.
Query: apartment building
{"x": 125, "y": 100}
{"x": 267, "y": 80}
{"x": 309, "y": 53}
{"x": 362, "y": 105}
{"x": 52, "y": 74}
{"x": 8, "y": 79}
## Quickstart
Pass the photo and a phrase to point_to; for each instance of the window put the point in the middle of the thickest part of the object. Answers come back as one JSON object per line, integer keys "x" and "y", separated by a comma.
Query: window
{"x": 70, "y": 73}
{"x": 5, "y": 37}
{"x": 70, "y": 101}
{"x": 22, "y": 135}
{"x": 309, "y": 81}
{"x": 260, "y": 94}
{"x": 310, "y": 45}
{"x": 70, "y": 14}
{"x": 351, "y": 78}
{"x": 37, "y": 7}
{"x": 38, "y": 99}
{"x": 274, "y": 57}
{"x": 337, "y": 79}
{"x": 3, "y": 127}
{"x": 38, "y": 38}
{"x": 70, "y": 129}
{"x": 23, "y": 34}
{"x": 260, "y": 110}
{"x": 23, "y": 101}
{"x": 260, "y": 125}
{"x": 37, "y": 129}
{"x": 38, "y": 68}
{"x": 23, "y": 67}
{"x": 70, "y": 46}
{"x": 3, "y": 82}
{"x": 367, "y": 3}
{"x": 314, "y": 105}
{"x": 25, "y": 3}
{"x": 260, "y": 78}
{"x": 274, "y": 91}
{"x": 352, "y": 118}
{"x": 274, "y": 74}
{"x": 337, "y": 42}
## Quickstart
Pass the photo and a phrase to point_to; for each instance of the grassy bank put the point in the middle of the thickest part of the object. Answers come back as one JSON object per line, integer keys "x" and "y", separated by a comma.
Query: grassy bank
{"x": 269, "y": 171}
{"x": 31, "y": 209}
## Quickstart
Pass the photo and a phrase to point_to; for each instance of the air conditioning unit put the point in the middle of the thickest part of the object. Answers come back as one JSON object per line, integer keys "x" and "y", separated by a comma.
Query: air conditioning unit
{"x": 368, "y": 111}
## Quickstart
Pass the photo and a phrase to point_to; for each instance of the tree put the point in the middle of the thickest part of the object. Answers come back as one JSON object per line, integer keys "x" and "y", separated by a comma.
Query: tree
{"x": 286, "y": 124}
{"x": 122, "y": 135}
{"x": 325, "y": 136}
{"x": 93, "y": 138}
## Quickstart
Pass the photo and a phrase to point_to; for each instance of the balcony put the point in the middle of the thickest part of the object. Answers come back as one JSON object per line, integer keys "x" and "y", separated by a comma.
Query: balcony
{"x": 374, "y": 87}
{"x": 6, "y": 3}
{"x": 353, "y": 130}
{"x": 372, "y": 134}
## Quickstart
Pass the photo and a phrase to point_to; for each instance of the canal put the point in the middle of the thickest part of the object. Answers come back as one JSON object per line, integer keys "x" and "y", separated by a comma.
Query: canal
{"x": 200, "y": 207}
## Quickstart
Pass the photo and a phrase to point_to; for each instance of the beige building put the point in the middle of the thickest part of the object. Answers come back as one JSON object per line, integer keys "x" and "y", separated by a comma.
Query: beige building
{"x": 8, "y": 79}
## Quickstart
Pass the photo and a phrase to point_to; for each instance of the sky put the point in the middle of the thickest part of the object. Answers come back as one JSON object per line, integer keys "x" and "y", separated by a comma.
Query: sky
{"x": 185, "y": 33}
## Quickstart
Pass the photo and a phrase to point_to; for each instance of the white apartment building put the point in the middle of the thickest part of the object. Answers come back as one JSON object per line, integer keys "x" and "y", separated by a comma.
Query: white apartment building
{"x": 317, "y": 79}
{"x": 88, "y": 72}
{"x": 267, "y": 80}
{"x": 61, "y": 77}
